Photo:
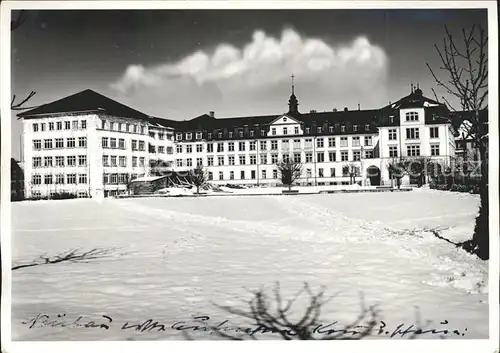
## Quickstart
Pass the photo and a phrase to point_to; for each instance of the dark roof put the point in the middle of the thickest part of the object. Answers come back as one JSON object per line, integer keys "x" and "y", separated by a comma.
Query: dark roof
{"x": 85, "y": 101}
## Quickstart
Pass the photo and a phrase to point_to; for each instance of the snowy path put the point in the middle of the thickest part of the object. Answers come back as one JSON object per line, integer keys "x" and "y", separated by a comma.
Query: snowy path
{"x": 177, "y": 256}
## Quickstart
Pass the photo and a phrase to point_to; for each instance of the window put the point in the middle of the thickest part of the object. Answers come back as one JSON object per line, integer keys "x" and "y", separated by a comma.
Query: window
{"x": 198, "y": 135}
{"x": 285, "y": 131}
{"x": 355, "y": 141}
{"x": 82, "y": 178}
{"x": 112, "y": 142}
{"x": 320, "y": 143}
{"x": 309, "y": 172}
{"x": 264, "y": 174}
{"x": 219, "y": 135}
{"x": 434, "y": 132}
{"x": 210, "y": 176}
{"x": 59, "y": 178}
{"x": 105, "y": 143}
{"x": 82, "y": 161}
{"x": 35, "y": 127}
{"x": 345, "y": 171}
{"x": 178, "y": 137}
{"x": 308, "y": 129}
{"x": 297, "y": 158}
{"x": 67, "y": 125}
{"x": 413, "y": 150}
{"x": 59, "y": 125}
{"x": 199, "y": 147}
{"x": 220, "y": 147}
{"x": 393, "y": 151}
{"x": 113, "y": 179}
{"x": 220, "y": 160}
{"x": 274, "y": 145}
{"x": 368, "y": 141}
{"x": 74, "y": 124}
{"x": 242, "y": 160}
{"x": 189, "y": 162}
{"x": 142, "y": 162}
{"x": 253, "y": 159}
{"x": 252, "y": 145}
{"x": 330, "y": 129}
{"x": 122, "y": 161}
{"x": 241, "y": 132}
{"x": 355, "y": 128}
{"x": 285, "y": 145}
{"x": 412, "y": 133}
{"x": 230, "y": 146}
{"x": 356, "y": 155}
{"x": 47, "y": 144}
{"x": 51, "y": 126}
{"x": 210, "y": 160}
{"x": 36, "y": 180}
{"x": 37, "y": 145}
{"x": 273, "y": 131}
{"x": 231, "y": 175}
{"x": 275, "y": 174}
{"x": 435, "y": 149}
{"x": 178, "y": 148}
{"x": 221, "y": 175}
{"x": 252, "y": 174}
{"x": 47, "y": 161}
{"x": 342, "y": 128}
{"x": 242, "y": 174}
{"x": 393, "y": 134}
{"x": 209, "y": 135}
{"x": 296, "y": 130}
{"x": 111, "y": 125}
{"x": 42, "y": 126}
{"x": 105, "y": 161}
{"x": 189, "y": 136}
{"x": 252, "y": 133}
{"x": 143, "y": 130}
{"x": 71, "y": 179}
{"x": 369, "y": 154}
{"x": 263, "y": 132}
{"x": 178, "y": 162}
{"x": 331, "y": 142}
{"x": 82, "y": 142}
{"x": 199, "y": 162}
{"x": 170, "y": 150}
{"x": 332, "y": 172}
{"x": 37, "y": 162}
{"x": 59, "y": 142}
{"x": 189, "y": 148}
{"x": 263, "y": 145}
{"x": 263, "y": 159}
{"x": 161, "y": 136}
{"x": 141, "y": 146}
{"x": 320, "y": 172}
{"x": 296, "y": 144}
{"x": 412, "y": 116}
{"x": 230, "y": 160}
{"x": 309, "y": 157}
{"x": 113, "y": 161}
{"x": 286, "y": 158}
{"x": 367, "y": 127}
{"x": 48, "y": 179}
{"x": 241, "y": 146}
{"x": 344, "y": 156}
{"x": 343, "y": 142}
{"x": 210, "y": 147}
{"x": 332, "y": 156}
{"x": 121, "y": 144}
{"x": 308, "y": 143}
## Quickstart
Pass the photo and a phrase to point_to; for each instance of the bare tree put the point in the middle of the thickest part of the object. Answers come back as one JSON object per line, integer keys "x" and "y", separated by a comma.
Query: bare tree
{"x": 289, "y": 172}
{"x": 352, "y": 170}
{"x": 464, "y": 63}
{"x": 74, "y": 255}
{"x": 198, "y": 177}
{"x": 396, "y": 170}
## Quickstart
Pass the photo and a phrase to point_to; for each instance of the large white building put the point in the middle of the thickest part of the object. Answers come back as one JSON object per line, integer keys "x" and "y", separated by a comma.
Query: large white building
{"x": 91, "y": 145}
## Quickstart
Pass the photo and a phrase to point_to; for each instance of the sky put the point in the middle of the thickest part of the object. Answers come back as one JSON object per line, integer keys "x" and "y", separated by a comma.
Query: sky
{"x": 179, "y": 64}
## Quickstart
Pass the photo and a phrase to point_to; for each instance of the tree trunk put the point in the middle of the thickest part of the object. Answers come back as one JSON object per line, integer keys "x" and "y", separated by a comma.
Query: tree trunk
{"x": 290, "y": 187}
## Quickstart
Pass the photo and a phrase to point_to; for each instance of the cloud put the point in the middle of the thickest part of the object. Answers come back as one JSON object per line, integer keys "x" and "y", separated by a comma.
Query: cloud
{"x": 262, "y": 63}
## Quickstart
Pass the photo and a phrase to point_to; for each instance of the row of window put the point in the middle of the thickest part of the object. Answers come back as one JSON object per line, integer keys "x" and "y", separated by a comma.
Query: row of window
{"x": 49, "y": 179}
{"x": 59, "y": 125}
{"x": 296, "y": 131}
{"x": 118, "y": 178}
{"x": 121, "y": 161}
{"x": 123, "y": 127}
{"x": 71, "y": 142}
{"x": 414, "y": 133}
{"x": 161, "y": 136}
{"x": 414, "y": 150}
{"x": 321, "y": 157}
{"x": 79, "y": 194}
{"x": 60, "y": 161}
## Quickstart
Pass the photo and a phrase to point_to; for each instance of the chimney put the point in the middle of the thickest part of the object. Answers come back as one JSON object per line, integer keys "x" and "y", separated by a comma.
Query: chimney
{"x": 334, "y": 109}
{"x": 359, "y": 106}
{"x": 212, "y": 114}
{"x": 312, "y": 111}
{"x": 345, "y": 109}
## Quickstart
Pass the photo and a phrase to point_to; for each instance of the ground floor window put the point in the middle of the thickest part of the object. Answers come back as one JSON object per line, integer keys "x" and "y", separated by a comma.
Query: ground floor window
{"x": 82, "y": 194}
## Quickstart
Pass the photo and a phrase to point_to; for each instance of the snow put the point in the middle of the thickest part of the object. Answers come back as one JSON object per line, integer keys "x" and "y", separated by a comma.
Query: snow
{"x": 146, "y": 178}
{"x": 175, "y": 257}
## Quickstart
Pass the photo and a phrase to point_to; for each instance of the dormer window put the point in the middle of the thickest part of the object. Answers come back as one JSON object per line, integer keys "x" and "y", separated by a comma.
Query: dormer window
{"x": 219, "y": 135}
{"x": 178, "y": 137}
{"x": 412, "y": 116}
{"x": 273, "y": 131}
{"x": 391, "y": 119}
{"x": 284, "y": 119}
{"x": 209, "y": 135}
{"x": 367, "y": 127}
{"x": 198, "y": 135}
{"x": 330, "y": 128}
{"x": 241, "y": 133}
{"x": 342, "y": 128}
{"x": 355, "y": 128}
{"x": 263, "y": 132}
{"x": 251, "y": 133}
{"x": 230, "y": 134}
{"x": 189, "y": 136}
{"x": 308, "y": 130}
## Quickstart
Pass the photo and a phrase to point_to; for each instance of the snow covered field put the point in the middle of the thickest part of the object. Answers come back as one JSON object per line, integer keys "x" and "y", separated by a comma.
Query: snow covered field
{"x": 175, "y": 257}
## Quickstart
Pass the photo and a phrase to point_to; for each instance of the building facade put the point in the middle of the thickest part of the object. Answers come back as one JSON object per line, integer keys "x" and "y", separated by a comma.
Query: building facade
{"x": 90, "y": 145}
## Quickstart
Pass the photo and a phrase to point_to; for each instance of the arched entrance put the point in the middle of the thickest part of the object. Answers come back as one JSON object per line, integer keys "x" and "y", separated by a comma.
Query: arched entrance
{"x": 373, "y": 173}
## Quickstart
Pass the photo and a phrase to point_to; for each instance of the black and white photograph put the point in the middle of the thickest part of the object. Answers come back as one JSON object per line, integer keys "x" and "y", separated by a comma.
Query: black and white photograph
{"x": 259, "y": 173}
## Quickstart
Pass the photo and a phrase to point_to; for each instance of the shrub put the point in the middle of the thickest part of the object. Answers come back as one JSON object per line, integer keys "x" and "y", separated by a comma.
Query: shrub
{"x": 63, "y": 196}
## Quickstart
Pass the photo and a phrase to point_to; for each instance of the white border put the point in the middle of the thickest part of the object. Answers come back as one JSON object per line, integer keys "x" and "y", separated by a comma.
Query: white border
{"x": 489, "y": 345}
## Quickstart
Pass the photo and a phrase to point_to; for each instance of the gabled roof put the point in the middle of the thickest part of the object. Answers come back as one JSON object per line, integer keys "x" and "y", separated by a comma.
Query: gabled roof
{"x": 416, "y": 99}
{"x": 85, "y": 101}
